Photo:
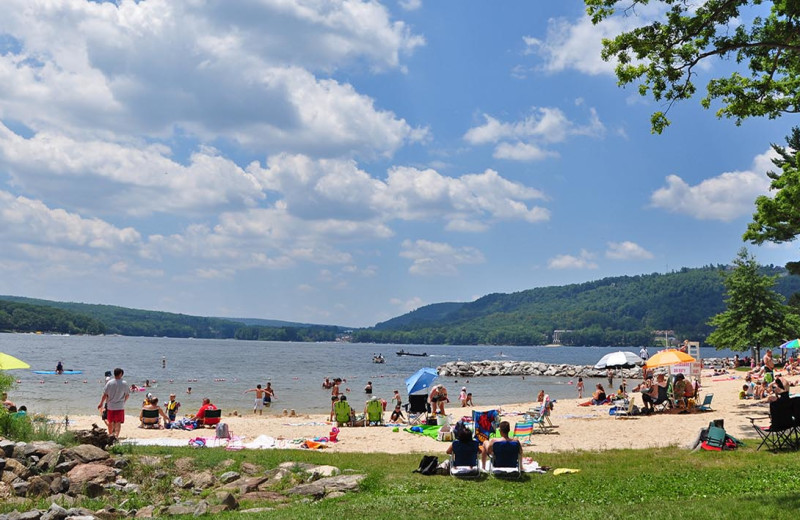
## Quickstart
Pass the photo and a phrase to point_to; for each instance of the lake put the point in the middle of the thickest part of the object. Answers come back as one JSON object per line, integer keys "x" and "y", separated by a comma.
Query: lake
{"x": 223, "y": 369}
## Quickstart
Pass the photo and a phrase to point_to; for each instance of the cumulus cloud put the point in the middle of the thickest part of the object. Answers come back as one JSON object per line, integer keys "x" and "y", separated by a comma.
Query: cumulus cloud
{"x": 438, "y": 258}
{"x": 725, "y": 197}
{"x": 524, "y": 140}
{"x": 577, "y": 44}
{"x": 315, "y": 189}
{"x": 258, "y": 73}
{"x": 627, "y": 251}
{"x": 585, "y": 260}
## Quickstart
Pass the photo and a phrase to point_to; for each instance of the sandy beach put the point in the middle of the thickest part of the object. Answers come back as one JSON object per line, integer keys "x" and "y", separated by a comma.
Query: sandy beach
{"x": 578, "y": 427}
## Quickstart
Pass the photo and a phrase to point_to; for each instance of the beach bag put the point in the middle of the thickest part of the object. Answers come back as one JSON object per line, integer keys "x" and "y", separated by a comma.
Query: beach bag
{"x": 222, "y": 431}
{"x": 428, "y": 465}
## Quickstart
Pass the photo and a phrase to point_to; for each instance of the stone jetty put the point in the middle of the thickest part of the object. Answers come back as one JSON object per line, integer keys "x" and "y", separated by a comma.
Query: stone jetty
{"x": 527, "y": 368}
{"x": 535, "y": 368}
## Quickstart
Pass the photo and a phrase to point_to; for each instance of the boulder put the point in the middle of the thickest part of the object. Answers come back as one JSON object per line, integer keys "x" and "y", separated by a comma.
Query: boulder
{"x": 203, "y": 480}
{"x": 55, "y": 512}
{"x": 228, "y": 477}
{"x": 319, "y": 488}
{"x": 89, "y": 473}
{"x": 41, "y": 448}
{"x": 85, "y": 453}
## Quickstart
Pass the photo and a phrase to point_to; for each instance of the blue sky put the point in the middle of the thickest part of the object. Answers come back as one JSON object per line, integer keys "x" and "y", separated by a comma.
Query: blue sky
{"x": 341, "y": 161}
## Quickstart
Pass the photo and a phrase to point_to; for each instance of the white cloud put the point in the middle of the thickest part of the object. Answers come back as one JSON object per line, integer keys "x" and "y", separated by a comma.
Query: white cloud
{"x": 544, "y": 126}
{"x": 627, "y": 251}
{"x": 437, "y": 258}
{"x": 250, "y": 73}
{"x": 316, "y": 189}
{"x": 582, "y": 261}
{"x": 23, "y": 220}
{"x": 408, "y": 305}
{"x": 521, "y": 152}
{"x": 410, "y": 5}
{"x": 725, "y": 197}
{"x": 577, "y": 44}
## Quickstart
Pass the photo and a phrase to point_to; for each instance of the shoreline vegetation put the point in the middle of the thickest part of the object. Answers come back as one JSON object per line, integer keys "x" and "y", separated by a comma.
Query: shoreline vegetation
{"x": 615, "y": 311}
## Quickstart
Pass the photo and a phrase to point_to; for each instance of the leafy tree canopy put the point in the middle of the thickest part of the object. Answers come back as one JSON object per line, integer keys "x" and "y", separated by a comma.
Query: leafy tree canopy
{"x": 762, "y": 36}
{"x": 755, "y": 315}
{"x": 777, "y": 219}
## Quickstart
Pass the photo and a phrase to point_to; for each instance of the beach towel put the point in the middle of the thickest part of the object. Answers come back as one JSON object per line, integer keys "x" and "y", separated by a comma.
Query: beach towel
{"x": 485, "y": 424}
{"x": 431, "y": 431}
{"x": 565, "y": 471}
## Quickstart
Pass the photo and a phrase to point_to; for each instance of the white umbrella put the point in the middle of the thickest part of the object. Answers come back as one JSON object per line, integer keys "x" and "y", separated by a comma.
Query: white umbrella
{"x": 619, "y": 360}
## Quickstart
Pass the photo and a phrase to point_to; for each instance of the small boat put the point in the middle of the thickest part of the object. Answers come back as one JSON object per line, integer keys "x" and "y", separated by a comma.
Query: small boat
{"x": 402, "y": 352}
{"x": 378, "y": 359}
{"x": 63, "y": 372}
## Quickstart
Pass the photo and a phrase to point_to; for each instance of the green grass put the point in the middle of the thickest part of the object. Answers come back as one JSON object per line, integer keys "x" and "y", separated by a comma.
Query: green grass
{"x": 668, "y": 483}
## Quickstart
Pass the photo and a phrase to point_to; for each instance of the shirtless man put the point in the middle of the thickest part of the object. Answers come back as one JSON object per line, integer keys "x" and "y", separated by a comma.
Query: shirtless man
{"x": 769, "y": 366}
{"x": 258, "y": 406}
{"x": 269, "y": 394}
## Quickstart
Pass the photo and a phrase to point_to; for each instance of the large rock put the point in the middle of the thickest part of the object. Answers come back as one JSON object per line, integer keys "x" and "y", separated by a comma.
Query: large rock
{"x": 49, "y": 461}
{"x": 85, "y": 453}
{"x": 319, "y": 488}
{"x": 41, "y": 448}
{"x": 94, "y": 473}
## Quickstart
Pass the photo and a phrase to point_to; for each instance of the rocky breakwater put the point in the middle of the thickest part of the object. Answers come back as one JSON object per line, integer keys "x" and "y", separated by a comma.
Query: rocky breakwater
{"x": 527, "y": 368}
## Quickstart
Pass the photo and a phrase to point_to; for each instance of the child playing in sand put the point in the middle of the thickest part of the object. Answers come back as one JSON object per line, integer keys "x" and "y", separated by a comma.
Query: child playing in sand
{"x": 397, "y": 414}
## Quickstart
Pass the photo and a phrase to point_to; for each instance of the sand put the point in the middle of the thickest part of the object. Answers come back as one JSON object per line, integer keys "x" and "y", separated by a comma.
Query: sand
{"x": 578, "y": 428}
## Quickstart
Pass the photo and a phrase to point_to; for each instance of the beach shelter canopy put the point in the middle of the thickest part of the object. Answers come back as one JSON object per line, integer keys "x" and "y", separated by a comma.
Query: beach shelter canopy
{"x": 421, "y": 379}
{"x": 793, "y": 343}
{"x": 11, "y": 363}
{"x": 619, "y": 359}
{"x": 668, "y": 357}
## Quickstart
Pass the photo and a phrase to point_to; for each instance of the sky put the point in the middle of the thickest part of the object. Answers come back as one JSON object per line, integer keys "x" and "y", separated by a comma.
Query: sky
{"x": 345, "y": 161}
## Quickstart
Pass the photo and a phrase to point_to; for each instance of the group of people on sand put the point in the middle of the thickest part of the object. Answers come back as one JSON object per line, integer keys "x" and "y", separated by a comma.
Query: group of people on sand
{"x": 465, "y": 448}
{"x": 263, "y": 397}
{"x": 116, "y": 394}
{"x": 766, "y": 383}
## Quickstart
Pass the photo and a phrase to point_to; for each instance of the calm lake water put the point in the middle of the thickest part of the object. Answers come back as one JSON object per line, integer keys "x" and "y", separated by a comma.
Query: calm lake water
{"x": 223, "y": 369}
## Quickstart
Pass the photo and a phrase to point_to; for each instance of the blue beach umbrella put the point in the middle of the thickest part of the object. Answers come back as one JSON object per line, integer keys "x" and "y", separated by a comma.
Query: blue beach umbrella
{"x": 421, "y": 379}
{"x": 794, "y": 343}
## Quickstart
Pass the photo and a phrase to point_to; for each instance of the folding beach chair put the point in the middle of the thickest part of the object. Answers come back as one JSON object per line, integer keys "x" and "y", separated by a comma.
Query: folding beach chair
{"x": 624, "y": 411}
{"x": 543, "y": 412}
{"x": 374, "y": 412}
{"x": 150, "y": 414}
{"x": 485, "y": 424}
{"x": 782, "y": 432}
{"x": 342, "y": 413}
{"x": 464, "y": 460}
{"x": 705, "y": 406}
{"x": 506, "y": 460}
{"x": 417, "y": 408}
{"x": 212, "y": 417}
{"x": 523, "y": 429}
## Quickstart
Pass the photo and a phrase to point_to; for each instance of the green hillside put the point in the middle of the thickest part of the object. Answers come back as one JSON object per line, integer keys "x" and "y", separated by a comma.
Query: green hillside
{"x": 621, "y": 310}
{"x": 20, "y": 314}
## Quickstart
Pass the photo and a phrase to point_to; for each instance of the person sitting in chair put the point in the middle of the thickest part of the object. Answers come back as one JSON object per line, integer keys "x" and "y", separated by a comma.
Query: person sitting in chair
{"x": 506, "y": 446}
{"x": 465, "y": 448}
{"x": 153, "y": 418}
{"x": 655, "y": 394}
{"x": 200, "y": 416}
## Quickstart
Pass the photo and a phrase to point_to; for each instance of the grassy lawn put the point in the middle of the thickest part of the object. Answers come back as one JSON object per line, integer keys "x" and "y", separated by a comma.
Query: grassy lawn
{"x": 669, "y": 483}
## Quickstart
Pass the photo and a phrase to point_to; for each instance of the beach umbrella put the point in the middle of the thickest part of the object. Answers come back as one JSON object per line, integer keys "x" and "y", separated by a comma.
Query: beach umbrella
{"x": 794, "y": 343}
{"x": 619, "y": 359}
{"x": 670, "y": 356}
{"x": 421, "y": 379}
{"x": 11, "y": 363}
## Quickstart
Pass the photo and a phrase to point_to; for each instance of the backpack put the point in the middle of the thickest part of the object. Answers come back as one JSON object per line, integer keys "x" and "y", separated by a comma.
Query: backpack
{"x": 428, "y": 465}
{"x": 222, "y": 431}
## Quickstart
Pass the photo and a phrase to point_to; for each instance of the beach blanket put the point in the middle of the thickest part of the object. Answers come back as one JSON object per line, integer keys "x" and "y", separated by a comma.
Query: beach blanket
{"x": 431, "y": 431}
{"x": 485, "y": 424}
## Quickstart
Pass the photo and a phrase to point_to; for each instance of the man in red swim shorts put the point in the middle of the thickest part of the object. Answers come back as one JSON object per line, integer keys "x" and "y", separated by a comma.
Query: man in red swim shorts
{"x": 115, "y": 393}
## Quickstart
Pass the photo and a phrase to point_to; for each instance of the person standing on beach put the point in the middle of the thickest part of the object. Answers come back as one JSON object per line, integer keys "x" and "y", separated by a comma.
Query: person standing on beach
{"x": 115, "y": 394}
{"x": 643, "y": 353}
{"x": 769, "y": 366}
{"x": 610, "y": 376}
{"x": 269, "y": 395}
{"x": 258, "y": 406}
{"x": 580, "y": 388}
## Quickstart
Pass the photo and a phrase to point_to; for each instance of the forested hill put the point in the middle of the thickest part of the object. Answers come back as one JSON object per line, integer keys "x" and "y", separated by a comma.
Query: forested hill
{"x": 20, "y": 314}
{"x": 621, "y": 310}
